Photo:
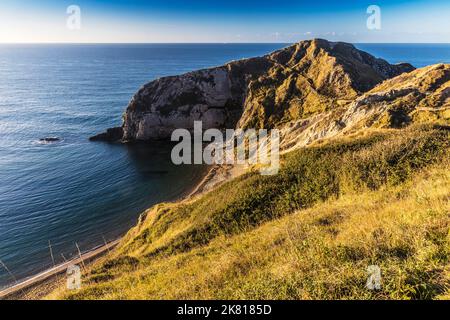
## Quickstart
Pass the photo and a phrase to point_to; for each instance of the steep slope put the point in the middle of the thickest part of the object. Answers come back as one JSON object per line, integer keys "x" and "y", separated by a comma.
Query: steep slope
{"x": 312, "y": 77}
{"x": 417, "y": 97}
{"x": 309, "y": 232}
{"x": 301, "y": 80}
{"x": 422, "y": 95}
{"x": 214, "y": 96}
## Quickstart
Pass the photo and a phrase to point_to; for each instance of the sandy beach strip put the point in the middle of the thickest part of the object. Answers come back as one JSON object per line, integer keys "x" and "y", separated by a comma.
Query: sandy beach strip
{"x": 19, "y": 289}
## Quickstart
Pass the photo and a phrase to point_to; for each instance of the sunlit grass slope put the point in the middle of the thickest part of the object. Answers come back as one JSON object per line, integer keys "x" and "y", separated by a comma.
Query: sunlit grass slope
{"x": 310, "y": 232}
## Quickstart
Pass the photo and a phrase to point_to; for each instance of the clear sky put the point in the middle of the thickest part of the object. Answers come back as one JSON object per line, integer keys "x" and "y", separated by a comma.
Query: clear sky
{"x": 224, "y": 21}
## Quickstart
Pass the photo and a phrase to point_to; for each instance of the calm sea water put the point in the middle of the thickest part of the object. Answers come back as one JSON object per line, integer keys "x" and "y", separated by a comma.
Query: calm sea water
{"x": 79, "y": 191}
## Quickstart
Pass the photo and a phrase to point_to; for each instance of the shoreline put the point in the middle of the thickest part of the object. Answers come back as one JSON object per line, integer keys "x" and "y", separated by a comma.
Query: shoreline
{"x": 19, "y": 289}
{"x": 22, "y": 288}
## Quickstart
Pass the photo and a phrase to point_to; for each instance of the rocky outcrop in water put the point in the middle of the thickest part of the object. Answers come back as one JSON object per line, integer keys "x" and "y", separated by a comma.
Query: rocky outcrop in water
{"x": 50, "y": 139}
{"x": 111, "y": 135}
{"x": 300, "y": 81}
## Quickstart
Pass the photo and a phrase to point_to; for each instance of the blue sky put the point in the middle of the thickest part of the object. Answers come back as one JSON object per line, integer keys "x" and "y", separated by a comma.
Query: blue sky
{"x": 224, "y": 21}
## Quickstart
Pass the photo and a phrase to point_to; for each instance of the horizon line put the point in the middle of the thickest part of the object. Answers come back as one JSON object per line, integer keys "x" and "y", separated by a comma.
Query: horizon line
{"x": 97, "y": 43}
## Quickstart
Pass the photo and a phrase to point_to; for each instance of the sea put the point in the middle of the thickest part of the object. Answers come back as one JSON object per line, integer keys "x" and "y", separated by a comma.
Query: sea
{"x": 55, "y": 196}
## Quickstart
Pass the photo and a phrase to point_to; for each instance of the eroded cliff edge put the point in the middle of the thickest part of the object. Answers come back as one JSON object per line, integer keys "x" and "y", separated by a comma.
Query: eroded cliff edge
{"x": 301, "y": 81}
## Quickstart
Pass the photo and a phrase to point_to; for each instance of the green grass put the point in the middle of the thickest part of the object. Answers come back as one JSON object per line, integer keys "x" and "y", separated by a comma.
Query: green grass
{"x": 309, "y": 232}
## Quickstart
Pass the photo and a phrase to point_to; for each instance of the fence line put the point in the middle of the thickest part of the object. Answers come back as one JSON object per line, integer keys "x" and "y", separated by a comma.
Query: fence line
{"x": 51, "y": 252}
{"x": 56, "y": 268}
{"x": 8, "y": 271}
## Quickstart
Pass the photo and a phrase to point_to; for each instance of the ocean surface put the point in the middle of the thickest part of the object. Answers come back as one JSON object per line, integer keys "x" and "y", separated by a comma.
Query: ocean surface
{"x": 76, "y": 191}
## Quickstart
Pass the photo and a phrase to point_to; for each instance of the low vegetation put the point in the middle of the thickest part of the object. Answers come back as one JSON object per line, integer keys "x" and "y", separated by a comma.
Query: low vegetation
{"x": 310, "y": 232}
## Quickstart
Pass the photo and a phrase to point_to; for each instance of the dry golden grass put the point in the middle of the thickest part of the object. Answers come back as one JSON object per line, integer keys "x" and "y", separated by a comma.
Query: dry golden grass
{"x": 400, "y": 223}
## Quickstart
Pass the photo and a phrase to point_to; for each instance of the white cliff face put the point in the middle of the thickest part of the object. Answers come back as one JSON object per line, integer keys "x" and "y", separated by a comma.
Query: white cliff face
{"x": 176, "y": 102}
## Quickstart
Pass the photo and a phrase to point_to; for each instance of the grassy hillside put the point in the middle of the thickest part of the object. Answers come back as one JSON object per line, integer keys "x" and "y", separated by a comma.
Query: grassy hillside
{"x": 309, "y": 232}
